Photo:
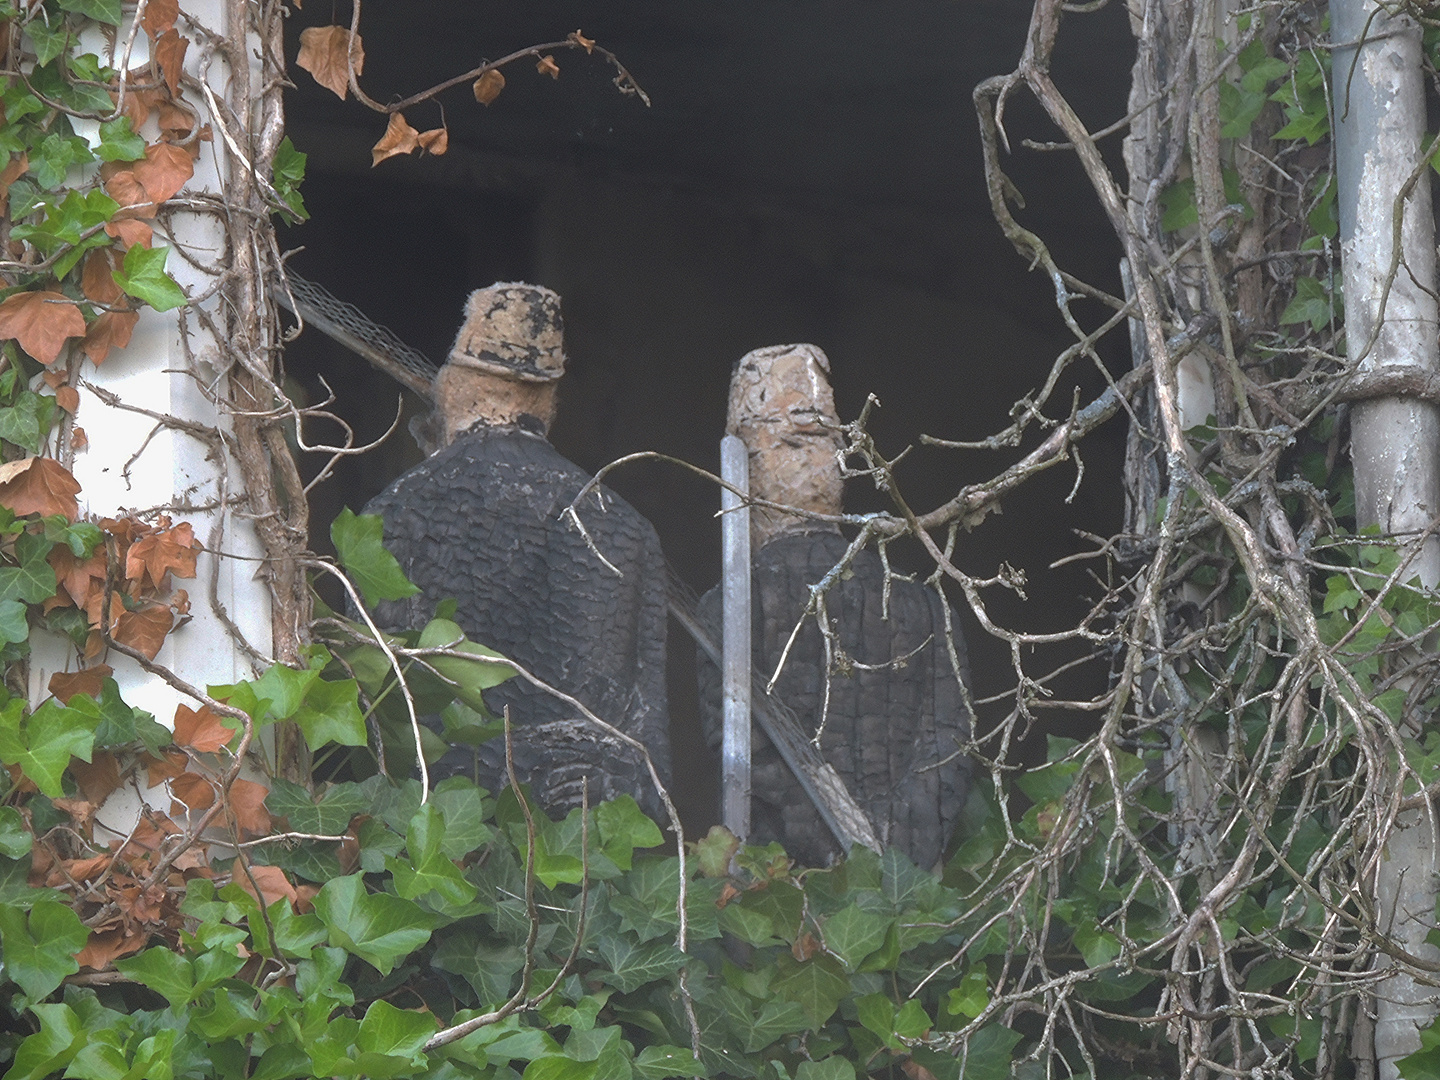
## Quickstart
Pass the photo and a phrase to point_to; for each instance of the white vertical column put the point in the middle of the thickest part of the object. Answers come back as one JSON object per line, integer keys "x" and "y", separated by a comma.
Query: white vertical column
{"x": 135, "y": 464}
{"x": 735, "y": 643}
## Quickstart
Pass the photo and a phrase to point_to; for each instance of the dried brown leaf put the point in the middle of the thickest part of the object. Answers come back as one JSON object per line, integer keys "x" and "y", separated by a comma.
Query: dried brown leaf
{"x": 170, "y": 55}
{"x": 97, "y": 278}
{"x": 110, "y": 330}
{"x": 272, "y": 882}
{"x": 66, "y": 684}
{"x": 436, "y": 141}
{"x": 68, "y": 398}
{"x": 130, "y": 232}
{"x": 38, "y": 485}
{"x": 488, "y": 86}
{"x": 78, "y": 439}
{"x": 547, "y": 66}
{"x": 201, "y": 729}
{"x": 172, "y": 551}
{"x": 325, "y": 52}
{"x": 41, "y": 322}
{"x": 165, "y": 170}
{"x": 144, "y": 629}
{"x": 166, "y": 767}
{"x": 109, "y": 945}
{"x": 160, "y": 16}
{"x": 98, "y": 777}
{"x": 247, "y": 799}
{"x": 588, "y": 44}
{"x": 76, "y": 578}
{"x": 125, "y": 188}
{"x": 399, "y": 138}
{"x": 193, "y": 790}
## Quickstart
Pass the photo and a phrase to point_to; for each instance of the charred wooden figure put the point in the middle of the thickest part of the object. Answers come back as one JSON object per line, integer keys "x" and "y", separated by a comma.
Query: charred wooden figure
{"x": 897, "y": 718}
{"x": 480, "y": 521}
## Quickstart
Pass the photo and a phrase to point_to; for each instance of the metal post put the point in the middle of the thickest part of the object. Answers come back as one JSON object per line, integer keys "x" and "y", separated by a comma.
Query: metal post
{"x": 735, "y": 641}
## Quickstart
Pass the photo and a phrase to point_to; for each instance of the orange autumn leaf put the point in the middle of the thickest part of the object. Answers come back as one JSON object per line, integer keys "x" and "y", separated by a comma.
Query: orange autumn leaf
{"x": 170, "y": 552}
{"x": 99, "y": 777}
{"x": 78, "y": 439}
{"x": 17, "y": 168}
{"x": 38, "y": 485}
{"x": 176, "y": 121}
{"x": 326, "y": 52}
{"x": 68, "y": 870}
{"x": 547, "y": 66}
{"x": 488, "y": 86}
{"x": 111, "y": 330}
{"x": 180, "y": 602}
{"x": 97, "y": 278}
{"x": 399, "y": 138}
{"x": 68, "y": 398}
{"x": 247, "y": 799}
{"x": 165, "y": 170}
{"x": 160, "y": 16}
{"x": 194, "y": 791}
{"x": 271, "y": 880}
{"x": 170, "y": 55}
{"x": 166, "y": 767}
{"x": 201, "y": 729}
{"x": 109, "y": 945}
{"x": 53, "y": 378}
{"x": 130, "y": 232}
{"x": 66, "y": 684}
{"x": 41, "y": 322}
{"x": 434, "y": 142}
{"x": 144, "y": 629}
{"x": 74, "y": 576}
{"x": 125, "y": 188}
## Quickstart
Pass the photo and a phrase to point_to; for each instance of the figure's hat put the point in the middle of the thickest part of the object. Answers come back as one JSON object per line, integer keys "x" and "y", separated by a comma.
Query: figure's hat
{"x": 514, "y": 330}
{"x": 780, "y": 392}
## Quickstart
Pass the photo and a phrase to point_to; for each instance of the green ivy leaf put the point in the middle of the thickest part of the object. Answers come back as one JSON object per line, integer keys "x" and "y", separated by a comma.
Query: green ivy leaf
{"x": 143, "y": 276}
{"x": 43, "y": 745}
{"x": 360, "y": 547}
{"x": 50, "y": 1049}
{"x": 106, "y": 11}
{"x": 559, "y": 1068}
{"x": 33, "y": 581}
{"x": 118, "y": 142}
{"x": 40, "y": 945}
{"x": 287, "y": 170}
{"x": 15, "y": 837}
{"x": 395, "y": 1032}
{"x": 378, "y": 928}
{"x": 49, "y": 37}
{"x": 14, "y": 623}
{"x": 623, "y": 827}
{"x": 971, "y": 996}
{"x": 989, "y": 1053}
{"x": 776, "y": 1020}
{"x": 53, "y": 159}
{"x": 662, "y": 1062}
{"x": 331, "y": 713}
{"x": 468, "y": 677}
{"x": 853, "y": 934}
{"x": 285, "y": 688}
{"x": 1312, "y": 304}
{"x": 632, "y": 964}
{"x": 27, "y": 422}
{"x": 817, "y": 985}
{"x": 428, "y": 869}
{"x": 832, "y": 1068}
{"x": 163, "y": 970}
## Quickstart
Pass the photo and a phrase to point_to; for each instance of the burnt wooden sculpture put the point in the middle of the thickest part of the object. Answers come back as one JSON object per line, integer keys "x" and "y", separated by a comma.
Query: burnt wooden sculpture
{"x": 896, "y": 717}
{"x": 480, "y": 521}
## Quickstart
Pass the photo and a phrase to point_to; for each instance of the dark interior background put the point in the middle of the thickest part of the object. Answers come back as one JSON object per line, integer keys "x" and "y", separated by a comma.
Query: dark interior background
{"x": 807, "y": 171}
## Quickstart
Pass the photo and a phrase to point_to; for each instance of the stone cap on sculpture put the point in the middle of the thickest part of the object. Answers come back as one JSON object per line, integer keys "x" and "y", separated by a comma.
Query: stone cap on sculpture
{"x": 781, "y": 391}
{"x": 514, "y": 330}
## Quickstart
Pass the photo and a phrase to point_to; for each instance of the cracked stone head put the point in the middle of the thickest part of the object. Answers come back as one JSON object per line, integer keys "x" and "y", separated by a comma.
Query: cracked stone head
{"x": 782, "y": 408}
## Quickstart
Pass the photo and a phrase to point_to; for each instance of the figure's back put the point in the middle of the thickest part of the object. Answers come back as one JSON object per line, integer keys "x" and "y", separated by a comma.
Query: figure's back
{"x": 894, "y": 734}
{"x": 480, "y": 522}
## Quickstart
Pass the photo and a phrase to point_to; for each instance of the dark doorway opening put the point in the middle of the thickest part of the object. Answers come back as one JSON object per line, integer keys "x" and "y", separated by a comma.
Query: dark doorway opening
{"x": 807, "y": 172}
